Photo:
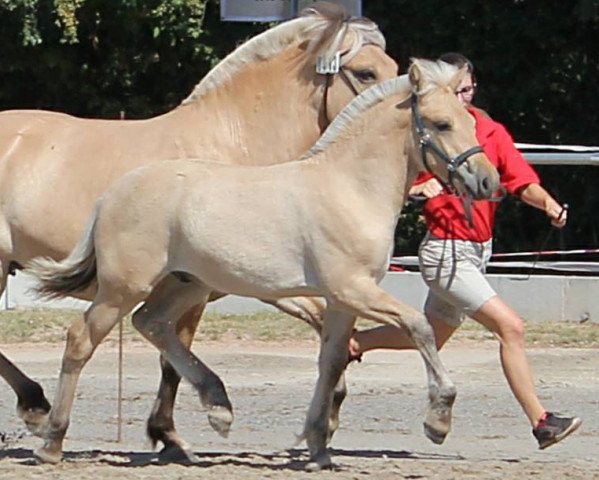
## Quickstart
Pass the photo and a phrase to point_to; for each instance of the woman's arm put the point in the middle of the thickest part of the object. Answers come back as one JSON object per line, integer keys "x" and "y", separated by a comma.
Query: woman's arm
{"x": 536, "y": 196}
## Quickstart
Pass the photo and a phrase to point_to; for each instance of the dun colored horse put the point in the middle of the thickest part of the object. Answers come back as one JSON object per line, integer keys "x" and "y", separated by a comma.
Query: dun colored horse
{"x": 265, "y": 103}
{"x": 322, "y": 226}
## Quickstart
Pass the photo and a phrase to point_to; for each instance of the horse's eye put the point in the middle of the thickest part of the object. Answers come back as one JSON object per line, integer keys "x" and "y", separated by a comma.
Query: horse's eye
{"x": 365, "y": 76}
{"x": 442, "y": 126}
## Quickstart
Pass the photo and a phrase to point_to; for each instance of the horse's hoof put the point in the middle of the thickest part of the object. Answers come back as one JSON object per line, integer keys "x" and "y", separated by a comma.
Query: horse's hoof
{"x": 323, "y": 462}
{"x": 46, "y": 455}
{"x": 178, "y": 454}
{"x": 434, "y": 435}
{"x": 35, "y": 420}
{"x": 220, "y": 420}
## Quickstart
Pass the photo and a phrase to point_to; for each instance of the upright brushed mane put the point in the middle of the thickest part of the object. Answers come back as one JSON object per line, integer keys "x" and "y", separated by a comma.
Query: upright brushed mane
{"x": 436, "y": 74}
{"x": 324, "y": 26}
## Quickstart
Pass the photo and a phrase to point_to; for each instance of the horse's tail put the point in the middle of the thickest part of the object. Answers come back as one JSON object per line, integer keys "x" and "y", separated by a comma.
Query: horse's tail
{"x": 73, "y": 274}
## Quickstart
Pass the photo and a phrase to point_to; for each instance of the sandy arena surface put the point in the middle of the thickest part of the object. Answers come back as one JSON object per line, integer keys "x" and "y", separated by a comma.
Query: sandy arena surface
{"x": 270, "y": 386}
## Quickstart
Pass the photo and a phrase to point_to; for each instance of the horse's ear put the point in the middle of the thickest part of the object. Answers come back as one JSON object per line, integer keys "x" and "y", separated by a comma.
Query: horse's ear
{"x": 415, "y": 75}
{"x": 457, "y": 78}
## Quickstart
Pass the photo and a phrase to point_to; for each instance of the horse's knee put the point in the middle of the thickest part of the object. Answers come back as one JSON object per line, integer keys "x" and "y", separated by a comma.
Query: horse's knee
{"x": 418, "y": 327}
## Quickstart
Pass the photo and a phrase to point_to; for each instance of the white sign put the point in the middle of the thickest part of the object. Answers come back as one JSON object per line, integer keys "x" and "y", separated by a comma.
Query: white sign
{"x": 274, "y": 10}
{"x": 256, "y": 10}
{"x": 354, "y": 7}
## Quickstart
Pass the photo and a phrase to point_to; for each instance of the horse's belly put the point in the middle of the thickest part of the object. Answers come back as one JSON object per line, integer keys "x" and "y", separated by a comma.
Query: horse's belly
{"x": 257, "y": 279}
{"x": 256, "y": 270}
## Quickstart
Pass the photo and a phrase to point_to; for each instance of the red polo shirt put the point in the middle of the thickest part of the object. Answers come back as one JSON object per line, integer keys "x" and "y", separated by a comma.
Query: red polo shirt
{"x": 444, "y": 214}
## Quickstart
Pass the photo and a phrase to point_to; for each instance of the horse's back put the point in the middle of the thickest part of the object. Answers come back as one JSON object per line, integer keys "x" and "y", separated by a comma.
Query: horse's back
{"x": 53, "y": 166}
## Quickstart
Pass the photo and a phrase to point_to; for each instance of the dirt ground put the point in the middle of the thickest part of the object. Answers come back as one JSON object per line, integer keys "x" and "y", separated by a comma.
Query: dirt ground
{"x": 270, "y": 386}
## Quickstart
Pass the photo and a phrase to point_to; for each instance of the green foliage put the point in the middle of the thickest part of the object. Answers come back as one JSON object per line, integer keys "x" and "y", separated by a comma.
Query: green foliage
{"x": 97, "y": 58}
{"x": 66, "y": 11}
{"x": 537, "y": 66}
{"x": 26, "y": 11}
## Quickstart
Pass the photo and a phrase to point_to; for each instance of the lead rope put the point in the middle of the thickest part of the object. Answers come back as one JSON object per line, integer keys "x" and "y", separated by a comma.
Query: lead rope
{"x": 467, "y": 203}
{"x": 565, "y": 207}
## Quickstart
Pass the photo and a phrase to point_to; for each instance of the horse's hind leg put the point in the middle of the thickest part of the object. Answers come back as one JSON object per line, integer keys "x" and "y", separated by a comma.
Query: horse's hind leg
{"x": 157, "y": 321}
{"x": 311, "y": 310}
{"x": 32, "y": 405}
{"x": 83, "y": 337}
{"x": 161, "y": 426}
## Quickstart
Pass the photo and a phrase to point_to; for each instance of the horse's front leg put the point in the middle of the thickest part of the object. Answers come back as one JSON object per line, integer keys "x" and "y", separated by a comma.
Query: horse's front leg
{"x": 370, "y": 301}
{"x": 336, "y": 332}
{"x": 311, "y": 311}
{"x": 160, "y": 425}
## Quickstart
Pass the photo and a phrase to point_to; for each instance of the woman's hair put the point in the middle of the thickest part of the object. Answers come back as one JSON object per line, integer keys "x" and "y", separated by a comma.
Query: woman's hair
{"x": 459, "y": 61}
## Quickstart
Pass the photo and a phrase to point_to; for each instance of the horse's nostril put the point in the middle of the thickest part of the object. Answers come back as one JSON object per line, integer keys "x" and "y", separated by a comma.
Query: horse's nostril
{"x": 485, "y": 183}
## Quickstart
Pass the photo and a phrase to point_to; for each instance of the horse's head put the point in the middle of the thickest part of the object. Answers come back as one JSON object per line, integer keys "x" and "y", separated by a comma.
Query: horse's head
{"x": 347, "y": 56}
{"x": 444, "y": 131}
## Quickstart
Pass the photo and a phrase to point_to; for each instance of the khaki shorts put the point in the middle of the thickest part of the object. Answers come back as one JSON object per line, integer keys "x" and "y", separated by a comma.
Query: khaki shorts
{"x": 454, "y": 273}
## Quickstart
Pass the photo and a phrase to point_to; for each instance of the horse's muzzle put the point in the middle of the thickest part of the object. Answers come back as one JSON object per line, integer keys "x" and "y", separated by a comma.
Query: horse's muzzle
{"x": 478, "y": 177}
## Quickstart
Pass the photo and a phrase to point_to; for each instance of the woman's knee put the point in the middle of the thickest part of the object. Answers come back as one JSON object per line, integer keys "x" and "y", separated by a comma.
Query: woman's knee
{"x": 513, "y": 330}
{"x": 502, "y": 320}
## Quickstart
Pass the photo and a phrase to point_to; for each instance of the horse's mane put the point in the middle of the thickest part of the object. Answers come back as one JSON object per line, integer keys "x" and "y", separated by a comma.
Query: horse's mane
{"x": 324, "y": 25}
{"x": 435, "y": 75}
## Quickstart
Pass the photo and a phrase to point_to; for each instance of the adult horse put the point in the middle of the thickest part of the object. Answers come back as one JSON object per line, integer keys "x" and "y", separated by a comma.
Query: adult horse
{"x": 322, "y": 226}
{"x": 265, "y": 103}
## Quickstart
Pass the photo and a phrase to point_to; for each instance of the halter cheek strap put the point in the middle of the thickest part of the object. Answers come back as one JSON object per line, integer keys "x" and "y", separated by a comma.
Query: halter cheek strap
{"x": 330, "y": 69}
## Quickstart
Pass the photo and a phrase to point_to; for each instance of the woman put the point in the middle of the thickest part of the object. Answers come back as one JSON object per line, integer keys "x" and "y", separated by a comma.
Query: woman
{"x": 453, "y": 256}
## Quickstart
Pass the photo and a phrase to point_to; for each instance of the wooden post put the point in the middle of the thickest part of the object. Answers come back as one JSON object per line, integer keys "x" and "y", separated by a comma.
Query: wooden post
{"x": 119, "y": 430}
{"x": 119, "y": 407}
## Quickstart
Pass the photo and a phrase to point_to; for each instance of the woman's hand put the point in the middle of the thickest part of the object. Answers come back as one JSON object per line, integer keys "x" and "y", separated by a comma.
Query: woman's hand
{"x": 429, "y": 189}
{"x": 557, "y": 213}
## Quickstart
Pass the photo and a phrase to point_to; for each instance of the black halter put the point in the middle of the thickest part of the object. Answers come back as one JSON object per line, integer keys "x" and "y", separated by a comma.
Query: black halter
{"x": 426, "y": 143}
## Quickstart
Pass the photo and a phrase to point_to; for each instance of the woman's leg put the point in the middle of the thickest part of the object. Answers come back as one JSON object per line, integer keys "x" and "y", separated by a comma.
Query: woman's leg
{"x": 394, "y": 338}
{"x": 507, "y": 325}
{"x": 498, "y": 317}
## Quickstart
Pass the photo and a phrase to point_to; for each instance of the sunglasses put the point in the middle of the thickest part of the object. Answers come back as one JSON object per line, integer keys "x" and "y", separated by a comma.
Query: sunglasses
{"x": 469, "y": 90}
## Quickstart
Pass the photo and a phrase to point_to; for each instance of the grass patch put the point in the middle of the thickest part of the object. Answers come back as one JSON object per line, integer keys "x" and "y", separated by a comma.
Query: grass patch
{"x": 45, "y": 325}
{"x": 49, "y": 325}
{"x": 541, "y": 334}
